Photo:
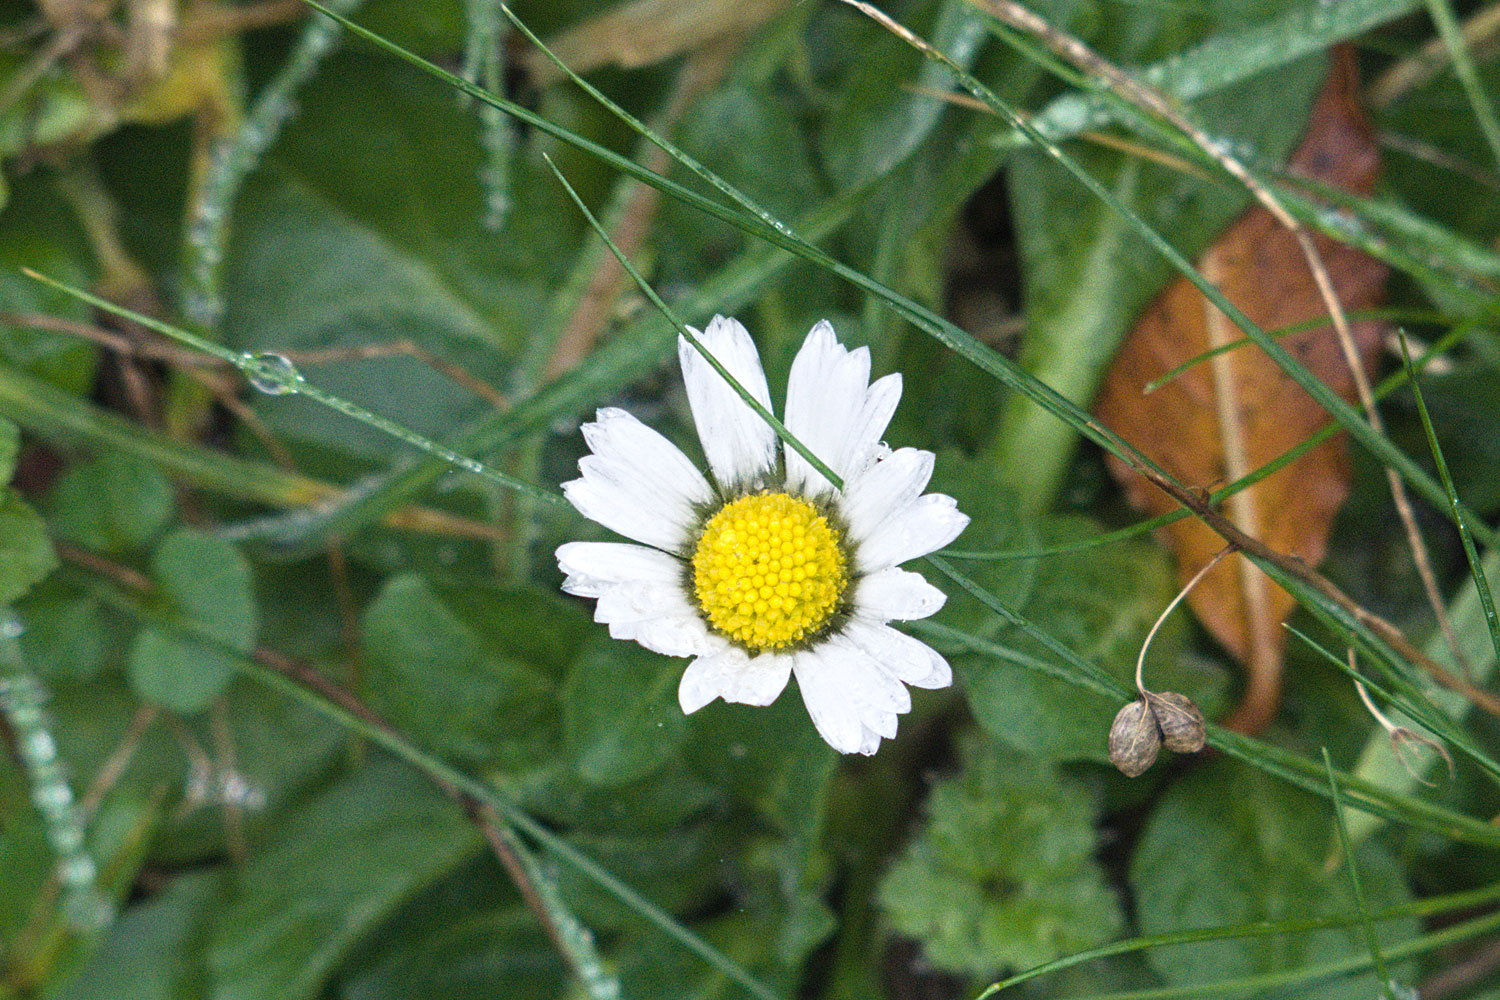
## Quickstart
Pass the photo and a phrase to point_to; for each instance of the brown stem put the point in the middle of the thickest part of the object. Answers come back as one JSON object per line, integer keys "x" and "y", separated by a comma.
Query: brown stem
{"x": 1298, "y": 569}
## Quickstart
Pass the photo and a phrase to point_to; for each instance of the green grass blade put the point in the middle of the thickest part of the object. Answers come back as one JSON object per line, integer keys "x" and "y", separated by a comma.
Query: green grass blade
{"x": 277, "y": 377}
{"x": 1256, "y": 985}
{"x": 1377, "y": 444}
{"x": 1409, "y": 699}
{"x": 1366, "y": 921}
{"x": 1222, "y": 61}
{"x": 774, "y": 231}
{"x": 1431, "y": 906}
{"x": 1321, "y": 322}
{"x": 1468, "y": 76}
{"x": 58, "y": 416}
{"x": 631, "y": 353}
{"x": 691, "y": 336}
{"x": 1476, "y": 567}
{"x": 210, "y": 208}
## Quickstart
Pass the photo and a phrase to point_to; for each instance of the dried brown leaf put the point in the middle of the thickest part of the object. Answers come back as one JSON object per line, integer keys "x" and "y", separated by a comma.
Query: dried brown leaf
{"x": 1228, "y": 416}
{"x": 645, "y": 32}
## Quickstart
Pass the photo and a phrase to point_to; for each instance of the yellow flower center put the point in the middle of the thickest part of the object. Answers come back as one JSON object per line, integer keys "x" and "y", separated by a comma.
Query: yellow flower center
{"x": 768, "y": 571}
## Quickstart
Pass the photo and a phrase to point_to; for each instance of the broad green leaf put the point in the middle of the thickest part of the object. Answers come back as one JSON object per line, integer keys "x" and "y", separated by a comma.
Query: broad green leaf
{"x": 442, "y": 668}
{"x": 113, "y": 504}
{"x": 669, "y": 798}
{"x": 878, "y": 119}
{"x": 67, "y": 636}
{"x": 1003, "y": 875}
{"x": 365, "y": 228}
{"x": 151, "y": 951}
{"x": 204, "y": 580}
{"x": 652, "y": 967}
{"x": 1101, "y": 603}
{"x": 1229, "y": 845}
{"x": 621, "y": 720}
{"x": 26, "y": 555}
{"x": 464, "y": 954}
{"x": 677, "y": 870}
{"x": 771, "y": 759}
{"x": 37, "y": 230}
{"x": 331, "y": 873}
{"x": 281, "y": 748}
{"x": 469, "y": 935}
{"x": 10, "y": 448}
{"x": 750, "y": 136}
{"x": 774, "y": 763}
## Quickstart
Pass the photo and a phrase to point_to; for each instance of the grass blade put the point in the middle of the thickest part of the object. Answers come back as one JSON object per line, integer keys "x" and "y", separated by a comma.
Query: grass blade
{"x": 1476, "y": 567}
{"x": 1366, "y": 922}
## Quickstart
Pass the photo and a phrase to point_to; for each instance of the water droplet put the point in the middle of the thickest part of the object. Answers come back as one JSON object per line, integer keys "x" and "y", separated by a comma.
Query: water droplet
{"x": 38, "y": 747}
{"x": 11, "y": 626}
{"x": 66, "y": 839}
{"x": 52, "y": 799}
{"x": 272, "y": 374}
{"x": 78, "y": 870}
{"x": 88, "y": 911}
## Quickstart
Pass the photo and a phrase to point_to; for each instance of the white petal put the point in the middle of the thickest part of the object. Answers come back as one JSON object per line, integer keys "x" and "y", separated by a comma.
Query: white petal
{"x": 670, "y": 635}
{"x": 874, "y": 689}
{"x": 741, "y": 447}
{"x": 834, "y": 714}
{"x": 897, "y": 593}
{"x": 735, "y": 676}
{"x": 908, "y": 659}
{"x": 616, "y": 435}
{"x": 591, "y": 567}
{"x": 832, "y": 408}
{"x": 637, "y": 483}
{"x": 640, "y": 595}
{"x": 641, "y": 602}
{"x": 891, "y": 484}
{"x": 915, "y": 530}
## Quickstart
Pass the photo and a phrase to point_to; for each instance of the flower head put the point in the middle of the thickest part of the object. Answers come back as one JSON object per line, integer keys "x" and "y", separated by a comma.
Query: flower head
{"x": 769, "y": 570}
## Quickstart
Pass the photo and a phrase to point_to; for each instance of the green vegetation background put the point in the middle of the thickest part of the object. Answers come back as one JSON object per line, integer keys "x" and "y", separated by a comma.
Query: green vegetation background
{"x": 168, "y": 562}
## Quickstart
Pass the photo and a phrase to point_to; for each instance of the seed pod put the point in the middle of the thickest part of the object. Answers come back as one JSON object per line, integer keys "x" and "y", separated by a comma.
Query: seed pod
{"x": 1179, "y": 719}
{"x": 1134, "y": 739}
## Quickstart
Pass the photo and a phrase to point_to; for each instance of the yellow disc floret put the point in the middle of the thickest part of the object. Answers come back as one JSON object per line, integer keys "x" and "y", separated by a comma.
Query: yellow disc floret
{"x": 768, "y": 571}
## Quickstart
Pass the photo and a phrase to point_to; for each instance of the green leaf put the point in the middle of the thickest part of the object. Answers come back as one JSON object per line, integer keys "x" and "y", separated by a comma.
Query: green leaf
{"x": 10, "y": 448}
{"x": 365, "y": 228}
{"x": 66, "y": 635}
{"x": 37, "y": 230}
{"x": 151, "y": 951}
{"x": 206, "y": 581}
{"x": 1003, "y": 874}
{"x": 26, "y": 555}
{"x": 880, "y": 116}
{"x": 468, "y": 954}
{"x": 331, "y": 873}
{"x": 113, "y": 504}
{"x": 1101, "y": 603}
{"x": 751, "y": 137}
{"x": 621, "y": 720}
{"x": 1229, "y": 845}
{"x": 444, "y": 668}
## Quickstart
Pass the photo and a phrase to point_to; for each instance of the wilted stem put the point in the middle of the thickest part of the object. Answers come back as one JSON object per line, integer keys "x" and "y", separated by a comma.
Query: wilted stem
{"x": 1140, "y": 662}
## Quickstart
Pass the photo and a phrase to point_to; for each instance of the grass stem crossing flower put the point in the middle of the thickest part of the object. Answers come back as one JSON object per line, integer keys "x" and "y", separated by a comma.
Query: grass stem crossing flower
{"x": 767, "y": 570}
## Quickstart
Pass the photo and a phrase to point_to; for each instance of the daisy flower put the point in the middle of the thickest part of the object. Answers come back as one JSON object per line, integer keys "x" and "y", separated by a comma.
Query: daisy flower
{"x": 768, "y": 570}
